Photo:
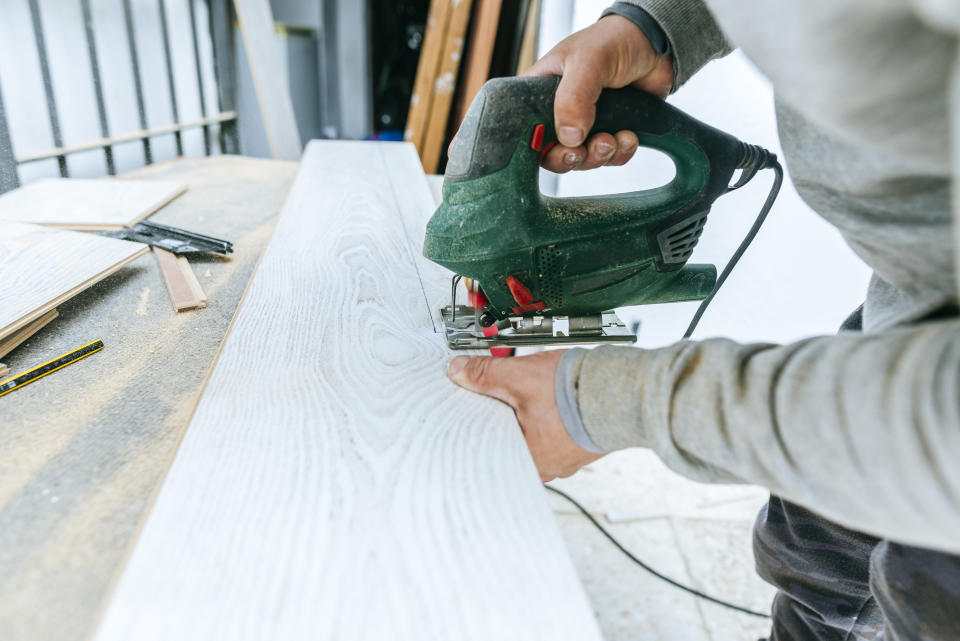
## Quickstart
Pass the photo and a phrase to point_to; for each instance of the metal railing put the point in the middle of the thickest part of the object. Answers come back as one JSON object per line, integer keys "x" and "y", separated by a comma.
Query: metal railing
{"x": 221, "y": 36}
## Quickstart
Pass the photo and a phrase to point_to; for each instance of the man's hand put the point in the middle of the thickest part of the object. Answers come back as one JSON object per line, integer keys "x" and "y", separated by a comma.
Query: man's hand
{"x": 526, "y": 384}
{"x": 612, "y": 52}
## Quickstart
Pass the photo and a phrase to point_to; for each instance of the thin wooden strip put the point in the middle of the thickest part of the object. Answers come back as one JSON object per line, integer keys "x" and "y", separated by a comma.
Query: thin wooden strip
{"x": 438, "y": 21}
{"x": 333, "y": 483}
{"x": 40, "y": 268}
{"x": 13, "y": 341}
{"x": 483, "y": 36}
{"x": 181, "y": 294}
{"x": 191, "y": 279}
{"x": 444, "y": 86}
{"x": 4, "y": 371}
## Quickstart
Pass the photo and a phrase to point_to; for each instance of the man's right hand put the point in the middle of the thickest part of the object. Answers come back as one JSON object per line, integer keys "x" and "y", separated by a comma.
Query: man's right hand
{"x": 613, "y": 52}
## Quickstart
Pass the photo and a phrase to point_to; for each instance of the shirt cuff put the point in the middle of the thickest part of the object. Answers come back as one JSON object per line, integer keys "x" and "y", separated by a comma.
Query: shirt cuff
{"x": 650, "y": 27}
{"x": 565, "y": 381}
{"x": 689, "y": 27}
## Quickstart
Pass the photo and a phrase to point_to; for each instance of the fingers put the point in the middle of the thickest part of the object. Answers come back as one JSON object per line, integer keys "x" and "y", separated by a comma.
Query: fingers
{"x": 574, "y": 107}
{"x": 627, "y": 143}
{"x": 602, "y": 149}
{"x": 482, "y": 375}
{"x": 562, "y": 159}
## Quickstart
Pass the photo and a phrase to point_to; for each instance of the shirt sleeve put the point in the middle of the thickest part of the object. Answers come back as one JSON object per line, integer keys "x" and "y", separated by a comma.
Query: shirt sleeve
{"x": 692, "y": 34}
{"x": 862, "y": 428}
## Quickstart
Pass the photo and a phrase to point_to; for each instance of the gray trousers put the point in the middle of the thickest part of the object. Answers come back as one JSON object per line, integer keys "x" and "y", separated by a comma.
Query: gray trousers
{"x": 835, "y": 584}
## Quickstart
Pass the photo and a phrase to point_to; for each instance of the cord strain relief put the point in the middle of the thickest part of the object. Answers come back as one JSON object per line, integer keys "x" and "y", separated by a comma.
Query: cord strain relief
{"x": 755, "y": 157}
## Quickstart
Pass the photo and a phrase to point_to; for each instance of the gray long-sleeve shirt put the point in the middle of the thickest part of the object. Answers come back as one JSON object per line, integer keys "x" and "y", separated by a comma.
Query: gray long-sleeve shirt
{"x": 862, "y": 428}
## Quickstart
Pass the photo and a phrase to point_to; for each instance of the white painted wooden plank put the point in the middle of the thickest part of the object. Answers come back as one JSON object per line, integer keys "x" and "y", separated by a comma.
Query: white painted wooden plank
{"x": 270, "y": 78}
{"x": 333, "y": 484}
{"x": 42, "y": 267}
{"x": 87, "y": 204}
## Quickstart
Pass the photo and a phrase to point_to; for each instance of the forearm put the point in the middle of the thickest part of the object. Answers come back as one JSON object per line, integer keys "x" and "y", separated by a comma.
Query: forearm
{"x": 864, "y": 429}
{"x": 692, "y": 35}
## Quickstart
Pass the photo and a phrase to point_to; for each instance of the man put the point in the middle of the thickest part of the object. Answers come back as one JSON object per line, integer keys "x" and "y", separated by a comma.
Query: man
{"x": 857, "y": 435}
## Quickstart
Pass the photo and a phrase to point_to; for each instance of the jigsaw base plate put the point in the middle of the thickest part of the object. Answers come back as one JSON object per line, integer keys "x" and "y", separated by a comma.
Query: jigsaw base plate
{"x": 463, "y": 330}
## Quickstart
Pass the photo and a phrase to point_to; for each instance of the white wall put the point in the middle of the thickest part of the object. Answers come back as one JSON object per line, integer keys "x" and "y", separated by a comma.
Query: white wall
{"x": 798, "y": 278}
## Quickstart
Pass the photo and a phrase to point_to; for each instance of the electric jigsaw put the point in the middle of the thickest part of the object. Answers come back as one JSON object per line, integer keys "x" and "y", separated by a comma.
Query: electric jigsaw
{"x": 544, "y": 271}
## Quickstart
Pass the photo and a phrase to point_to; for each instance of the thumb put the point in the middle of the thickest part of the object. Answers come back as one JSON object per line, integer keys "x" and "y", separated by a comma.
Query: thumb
{"x": 483, "y": 375}
{"x": 575, "y": 105}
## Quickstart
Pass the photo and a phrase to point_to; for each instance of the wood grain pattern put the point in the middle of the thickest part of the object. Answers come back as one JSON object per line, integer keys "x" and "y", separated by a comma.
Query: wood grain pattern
{"x": 177, "y": 276}
{"x": 88, "y": 204}
{"x": 14, "y": 340}
{"x": 333, "y": 484}
{"x": 444, "y": 86}
{"x": 270, "y": 79}
{"x": 42, "y": 267}
{"x": 434, "y": 37}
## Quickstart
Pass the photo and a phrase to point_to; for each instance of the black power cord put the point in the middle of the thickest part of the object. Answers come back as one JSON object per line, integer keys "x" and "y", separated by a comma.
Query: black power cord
{"x": 755, "y": 159}
{"x": 662, "y": 577}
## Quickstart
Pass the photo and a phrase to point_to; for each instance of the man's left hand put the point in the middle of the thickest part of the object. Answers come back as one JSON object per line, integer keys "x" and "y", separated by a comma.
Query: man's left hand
{"x": 526, "y": 383}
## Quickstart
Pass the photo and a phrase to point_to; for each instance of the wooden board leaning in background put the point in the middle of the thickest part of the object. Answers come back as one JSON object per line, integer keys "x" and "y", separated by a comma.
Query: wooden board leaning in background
{"x": 444, "y": 87}
{"x": 333, "y": 483}
{"x": 531, "y": 38}
{"x": 434, "y": 37}
{"x": 269, "y": 78}
{"x": 476, "y": 63}
{"x": 87, "y": 204}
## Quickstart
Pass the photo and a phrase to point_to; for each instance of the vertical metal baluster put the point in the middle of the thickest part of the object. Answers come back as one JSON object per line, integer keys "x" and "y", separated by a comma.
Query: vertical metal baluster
{"x": 97, "y": 83}
{"x": 8, "y": 163}
{"x": 221, "y": 33}
{"x": 47, "y": 83}
{"x": 164, "y": 29}
{"x": 137, "y": 84}
{"x": 196, "y": 59}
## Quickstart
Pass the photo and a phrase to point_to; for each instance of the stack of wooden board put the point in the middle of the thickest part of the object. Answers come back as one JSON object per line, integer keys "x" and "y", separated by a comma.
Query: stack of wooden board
{"x": 42, "y": 267}
{"x": 499, "y": 39}
{"x": 105, "y": 204}
{"x": 16, "y": 338}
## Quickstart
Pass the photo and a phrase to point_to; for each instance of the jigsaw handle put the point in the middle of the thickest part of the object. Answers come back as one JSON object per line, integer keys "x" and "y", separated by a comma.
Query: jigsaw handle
{"x": 513, "y": 118}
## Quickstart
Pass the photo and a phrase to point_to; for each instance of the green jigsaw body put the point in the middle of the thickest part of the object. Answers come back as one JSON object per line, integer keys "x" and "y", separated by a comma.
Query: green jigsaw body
{"x": 536, "y": 255}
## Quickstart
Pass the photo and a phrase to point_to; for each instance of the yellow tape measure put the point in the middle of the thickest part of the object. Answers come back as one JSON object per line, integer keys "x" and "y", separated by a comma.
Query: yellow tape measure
{"x": 49, "y": 367}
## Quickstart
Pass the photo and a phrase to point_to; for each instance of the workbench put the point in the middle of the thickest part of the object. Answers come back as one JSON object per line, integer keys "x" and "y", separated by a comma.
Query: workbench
{"x": 327, "y": 480}
{"x": 84, "y": 450}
